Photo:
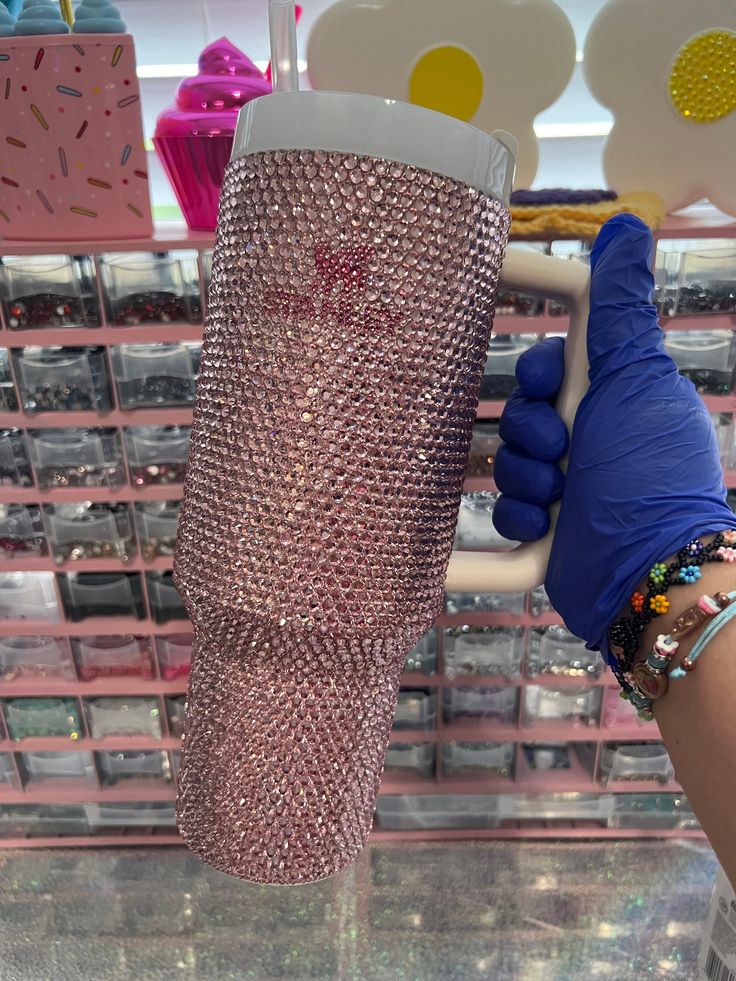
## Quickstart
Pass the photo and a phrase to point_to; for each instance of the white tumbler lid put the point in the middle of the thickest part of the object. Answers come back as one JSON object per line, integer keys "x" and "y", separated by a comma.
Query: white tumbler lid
{"x": 366, "y": 125}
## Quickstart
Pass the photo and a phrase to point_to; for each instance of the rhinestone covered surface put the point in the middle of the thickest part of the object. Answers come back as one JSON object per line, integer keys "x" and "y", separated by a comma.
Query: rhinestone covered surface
{"x": 349, "y": 314}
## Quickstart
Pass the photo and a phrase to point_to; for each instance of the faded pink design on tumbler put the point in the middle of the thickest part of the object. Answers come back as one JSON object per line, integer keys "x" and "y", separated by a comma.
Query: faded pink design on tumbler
{"x": 194, "y": 138}
{"x": 350, "y": 310}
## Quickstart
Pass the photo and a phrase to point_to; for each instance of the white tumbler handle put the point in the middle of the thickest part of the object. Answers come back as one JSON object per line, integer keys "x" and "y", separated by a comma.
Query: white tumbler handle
{"x": 525, "y": 566}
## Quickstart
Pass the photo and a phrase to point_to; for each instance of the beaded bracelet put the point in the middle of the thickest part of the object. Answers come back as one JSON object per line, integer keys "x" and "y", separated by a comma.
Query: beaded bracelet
{"x": 649, "y": 679}
{"x": 624, "y": 635}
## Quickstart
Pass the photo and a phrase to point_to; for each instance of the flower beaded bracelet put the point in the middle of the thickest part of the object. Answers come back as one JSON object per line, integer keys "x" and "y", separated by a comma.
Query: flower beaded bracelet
{"x": 624, "y": 635}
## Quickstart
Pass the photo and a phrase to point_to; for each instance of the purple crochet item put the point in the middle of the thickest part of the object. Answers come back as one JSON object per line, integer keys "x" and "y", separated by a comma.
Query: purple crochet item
{"x": 561, "y": 195}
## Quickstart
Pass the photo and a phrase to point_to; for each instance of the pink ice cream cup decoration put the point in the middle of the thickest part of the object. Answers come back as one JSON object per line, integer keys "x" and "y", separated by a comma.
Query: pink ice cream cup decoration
{"x": 194, "y": 138}
{"x": 72, "y": 161}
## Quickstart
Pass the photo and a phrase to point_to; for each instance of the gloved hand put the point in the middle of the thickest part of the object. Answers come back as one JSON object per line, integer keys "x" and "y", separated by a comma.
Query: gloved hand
{"x": 643, "y": 475}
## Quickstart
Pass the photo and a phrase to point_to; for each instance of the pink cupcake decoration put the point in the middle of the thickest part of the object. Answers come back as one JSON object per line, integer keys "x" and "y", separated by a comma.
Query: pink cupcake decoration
{"x": 194, "y": 138}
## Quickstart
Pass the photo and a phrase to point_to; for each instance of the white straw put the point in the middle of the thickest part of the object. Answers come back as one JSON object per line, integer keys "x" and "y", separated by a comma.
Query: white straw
{"x": 282, "y": 31}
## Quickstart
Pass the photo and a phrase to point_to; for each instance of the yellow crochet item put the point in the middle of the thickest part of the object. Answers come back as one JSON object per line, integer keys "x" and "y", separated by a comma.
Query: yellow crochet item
{"x": 583, "y": 220}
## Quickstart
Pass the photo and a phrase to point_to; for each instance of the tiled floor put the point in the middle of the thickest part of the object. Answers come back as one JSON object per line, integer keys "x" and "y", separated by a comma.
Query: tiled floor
{"x": 449, "y": 912}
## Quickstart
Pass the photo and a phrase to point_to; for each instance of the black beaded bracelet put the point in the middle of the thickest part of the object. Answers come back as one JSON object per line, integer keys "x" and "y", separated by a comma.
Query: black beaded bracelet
{"x": 624, "y": 636}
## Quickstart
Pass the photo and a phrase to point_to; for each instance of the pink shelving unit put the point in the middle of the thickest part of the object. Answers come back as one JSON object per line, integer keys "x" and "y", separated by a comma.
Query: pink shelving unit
{"x": 93, "y": 797}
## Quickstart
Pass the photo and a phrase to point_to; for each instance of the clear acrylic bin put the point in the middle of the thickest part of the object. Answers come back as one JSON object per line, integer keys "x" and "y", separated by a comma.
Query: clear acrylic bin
{"x": 706, "y": 357}
{"x": 133, "y": 764}
{"x": 15, "y": 466}
{"x": 504, "y": 350}
{"x": 28, "y": 596}
{"x": 555, "y": 651}
{"x": 49, "y": 291}
{"x": 62, "y": 379}
{"x": 417, "y": 758}
{"x": 30, "y": 718}
{"x": 77, "y": 457}
{"x": 580, "y": 706}
{"x": 486, "y": 757}
{"x": 151, "y": 287}
{"x": 483, "y": 650}
{"x": 636, "y": 761}
{"x": 653, "y": 811}
{"x": 483, "y": 448}
{"x": 35, "y": 657}
{"x": 475, "y": 528}
{"x": 437, "y": 811}
{"x": 101, "y": 594}
{"x": 422, "y": 658}
{"x": 416, "y": 710}
{"x": 157, "y": 454}
{"x": 496, "y": 704}
{"x": 41, "y": 767}
{"x": 21, "y": 532}
{"x": 90, "y": 531}
{"x": 696, "y": 276}
{"x": 164, "y": 598}
{"x": 8, "y": 394}
{"x": 548, "y": 756}
{"x": 618, "y": 711}
{"x": 156, "y": 523}
{"x": 539, "y": 602}
{"x": 174, "y": 656}
{"x": 8, "y": 776}
{"x": 42, "y": 821}
{"x": 724, "y": 428}
{"x": 559, "y": 807}
{"x": 176, "y": 706}
{"x": 155, "y": 374}
{"x": 113, "y": 657}
{"x": 485, "y": 602}
{"x": 153, "y": 814}
{"x": 123, "y": 717}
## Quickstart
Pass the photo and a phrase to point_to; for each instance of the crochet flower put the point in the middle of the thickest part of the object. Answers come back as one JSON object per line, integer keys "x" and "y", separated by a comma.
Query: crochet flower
{"x": 658, "y": 573}
{"x": 637, "y": 602}
{"x": 689, "y": 573}
{"x": 729, "y": 537}
{"x": 493, "y": 63}
{"x": 666, "y": 72}
{"x": 726, "y": 554}
{"x": 659, "y": 603}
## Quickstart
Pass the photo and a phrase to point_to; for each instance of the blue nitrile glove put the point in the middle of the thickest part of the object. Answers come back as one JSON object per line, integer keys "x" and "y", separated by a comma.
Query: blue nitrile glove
{"x": 644, "y": 475}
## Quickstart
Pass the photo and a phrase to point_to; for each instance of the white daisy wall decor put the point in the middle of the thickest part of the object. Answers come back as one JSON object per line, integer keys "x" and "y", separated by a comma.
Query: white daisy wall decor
{"x": 494, "y": 63}
{"x": 667, "y": 71}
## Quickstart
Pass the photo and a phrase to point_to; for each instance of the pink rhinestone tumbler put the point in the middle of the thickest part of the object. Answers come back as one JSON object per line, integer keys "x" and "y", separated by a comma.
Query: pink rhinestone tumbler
{"x": 349, "y": 315}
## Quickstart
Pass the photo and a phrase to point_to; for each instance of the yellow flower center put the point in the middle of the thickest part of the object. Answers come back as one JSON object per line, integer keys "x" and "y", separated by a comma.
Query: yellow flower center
{"x": 703, "y": 77}
{"x": 447, "y": 79}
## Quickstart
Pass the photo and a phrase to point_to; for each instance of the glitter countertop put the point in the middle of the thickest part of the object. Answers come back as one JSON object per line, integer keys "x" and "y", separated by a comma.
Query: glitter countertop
{"x": 504, "y": 911}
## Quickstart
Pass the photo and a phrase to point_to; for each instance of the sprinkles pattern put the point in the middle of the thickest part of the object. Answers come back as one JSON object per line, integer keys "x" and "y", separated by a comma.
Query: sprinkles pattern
{"x": 61, "y": 102}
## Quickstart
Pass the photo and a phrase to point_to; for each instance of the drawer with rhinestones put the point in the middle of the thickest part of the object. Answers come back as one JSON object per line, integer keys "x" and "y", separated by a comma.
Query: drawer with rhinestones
{"x": 156, "y": 523}
{"x": 25, "y": 658}
{"x": 15, "y": 465}
{"x": 415, "y": 758}
{"x": 8, "y": 776}
{"x": 564, "y": 807}
{"x": 490, "y": 758}
{"x": 579, "y": 705}
{"x": 475, "y": 528}
{"x": 539, "y": 602}
{"x": 62, "y": 379}
{"x": 451, "y": 811}
{"x": 416, "y": 709}
{"x": 498, "y": 704}
{"x": 485, "y": 603}
{"x": 101, "y": 594}
{"x": 115, "y": 765}
{"x": 422, "y": 658}
{"x": 122, "y": 716}
{"x": 695, "y": 277}
{"x": 635, "y": 761}
{"x": 43, "y": 767}
{"x": 28, "y": 596}
{"x": 504, "y": 350}
{"x": 163, "y": 597}
{"x": 49, "y": 291}
{"x": 157, "y": 454}
{"x": 22, "y": 532}
{"x": 155, "y": 374}
{"x": 42, "y": 820}
{"x": 151, "y": 288}
{"x": 154, "y": 814}
{"x": 31, "y": 718}
{"x": 653, "y": 811}
{"x": 706, "y": 357}
{"x": 555, "y": 652}
{"x": 106, "y": 656}
{"x": 174, "y": 656}
{"x": 8, "y": 394}
{"x": 77, "y": 457}
{"x": 483, "y": 448}
{"x": 90, "y": 531}
{"x": 176, "y": 706}
{"x": 489, "y": 650}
